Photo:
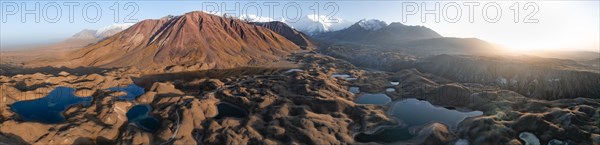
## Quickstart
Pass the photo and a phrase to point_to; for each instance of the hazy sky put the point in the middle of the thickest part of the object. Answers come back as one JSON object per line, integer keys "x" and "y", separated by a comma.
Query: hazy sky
{"x": 564, "y": 25}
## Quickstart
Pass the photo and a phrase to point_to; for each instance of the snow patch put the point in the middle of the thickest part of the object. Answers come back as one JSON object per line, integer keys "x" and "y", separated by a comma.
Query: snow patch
{"x": 116, "y": 27}
{"x": 244, "y": 17}
{"x": 315, "y": 24}
{"x": 255, "y": 18}
{"x": 309, "y": 24}
{"x": 372, "y": 24}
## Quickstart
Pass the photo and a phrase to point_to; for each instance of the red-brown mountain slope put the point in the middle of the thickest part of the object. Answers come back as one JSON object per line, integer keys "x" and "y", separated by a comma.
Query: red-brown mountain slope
{"x": 192, "y": 38}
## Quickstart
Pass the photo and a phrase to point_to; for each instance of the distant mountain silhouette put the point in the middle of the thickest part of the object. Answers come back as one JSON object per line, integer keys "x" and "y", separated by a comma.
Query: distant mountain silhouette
{"x": 286, "y": 31}
{"x": 449, "y": 45}
{"x": 363, "y": 32}
{"x": 92, "y": 36}
{"x": 415, "y": 40}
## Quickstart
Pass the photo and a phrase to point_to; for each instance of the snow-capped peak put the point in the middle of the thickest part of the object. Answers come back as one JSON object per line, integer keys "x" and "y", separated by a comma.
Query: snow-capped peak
{"x": 315, "y": 24}
{"x": 372, "y": 24}
{"x": 114, "y": 28}
{"x": 244, "y": 17}
{"x": 309, "y": 24}
{"x": 255, "y": 18}
{"x": 101, "y": 33}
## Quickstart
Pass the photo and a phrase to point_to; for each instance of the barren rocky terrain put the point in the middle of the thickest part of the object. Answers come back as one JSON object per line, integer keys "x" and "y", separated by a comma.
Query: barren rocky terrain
{"x": 306, "y": 106}
{"x": 266, "y": 83}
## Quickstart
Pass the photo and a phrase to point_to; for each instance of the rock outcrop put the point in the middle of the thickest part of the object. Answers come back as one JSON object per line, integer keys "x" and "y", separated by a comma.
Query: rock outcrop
{"x": 290, "y": 33}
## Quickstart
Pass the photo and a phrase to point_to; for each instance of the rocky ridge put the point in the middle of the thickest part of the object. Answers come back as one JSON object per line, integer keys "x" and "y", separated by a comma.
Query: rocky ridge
{"x": 193, "y": 38}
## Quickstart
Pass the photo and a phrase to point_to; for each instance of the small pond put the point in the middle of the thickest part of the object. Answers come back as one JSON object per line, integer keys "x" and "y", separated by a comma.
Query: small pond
{"x": 556, "y": 142}
{"x": 377, "y": 99}
{"x": 390, "y": 90}
{"x": 344, "y": 76}
{"x": 293, "y": 70}
{"x": 529, "y": 138}
{"x": 415, "y": 113}
{"x": 49, "y": 109}
{"x": 354, "y": 90}
{"x": 388, "y": 135}
{"x": 133, "y": 91}
{"x": 419, "y": 112}
{"x": 230, "y": 110}
{"x": 140, "y": 116}
{"x": 351, "y": 79}
{"x": 340, "y": 76}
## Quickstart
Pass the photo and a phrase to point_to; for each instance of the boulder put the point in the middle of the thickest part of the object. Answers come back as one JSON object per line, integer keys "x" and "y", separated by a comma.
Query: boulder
{"x": 27, "y": 131}
{"x": 211, "y": 84}
{"x": 435, "y": 134}
{"x": 165, "y": 89}
{"x": 85, "y": 92}
{"x": 64, "y": 73}
{"x": 146, "y": 98}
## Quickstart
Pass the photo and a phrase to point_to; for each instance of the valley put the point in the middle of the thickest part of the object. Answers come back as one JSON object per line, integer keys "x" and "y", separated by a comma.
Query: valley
{"x": 204, "y": 79}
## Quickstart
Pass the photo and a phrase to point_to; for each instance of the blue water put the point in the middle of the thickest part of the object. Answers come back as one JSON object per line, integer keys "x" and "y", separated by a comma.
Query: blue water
{"x": 137, "y": 112}
{"x": 388, "y": 135}
{"x": 415, "y": 113}
{"x": 354, "y": 90}
{"x": 49, "y": 109}
{"x": 229, "y": 110}
{"x": 140, "y": 116}
{"x": 149, "y": 124}
{"x": 133, "y": 91}
{"x": 419, "y": 112}
{"x": 377, "y": 99}
{"x": 293, "y": 70}
{"x": 390, "y": 90}
{"x": 340, "y": 76}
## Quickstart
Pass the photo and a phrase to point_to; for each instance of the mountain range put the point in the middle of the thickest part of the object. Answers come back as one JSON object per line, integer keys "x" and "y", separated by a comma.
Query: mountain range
{"x": 286, "y": 31}
{"x": 200, "y": 78}
{"x": 192, "y": 38}
{"x": 376, "y": 32}
{"x": 212, "y": 41}
{"x": 317, "y": 24}
{"x": 308, "y": 24}
{"x": 97, "y": 35}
